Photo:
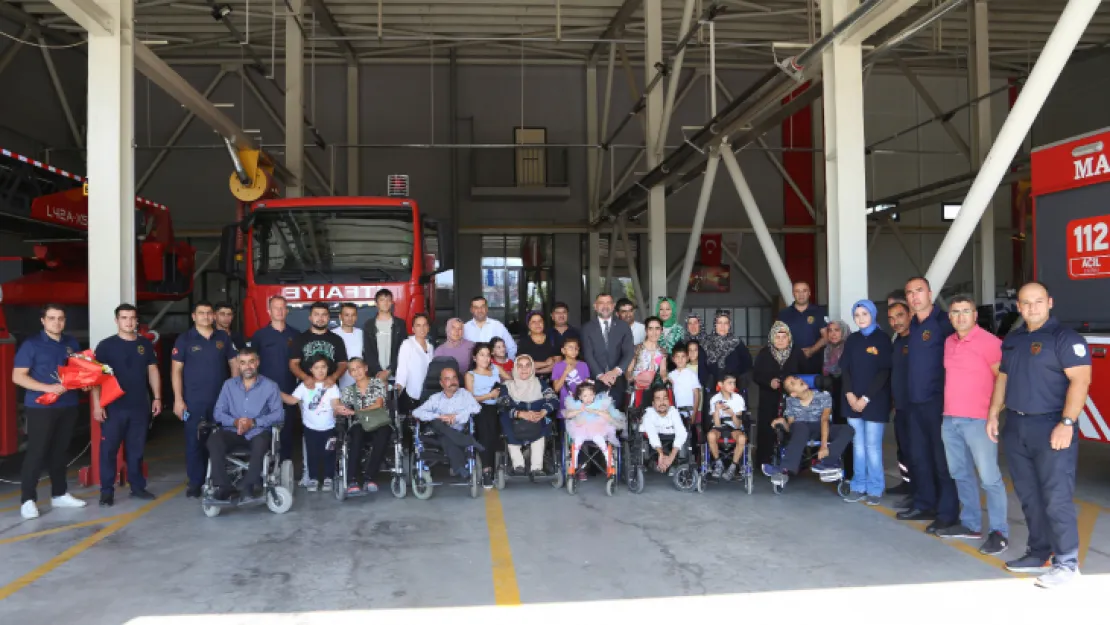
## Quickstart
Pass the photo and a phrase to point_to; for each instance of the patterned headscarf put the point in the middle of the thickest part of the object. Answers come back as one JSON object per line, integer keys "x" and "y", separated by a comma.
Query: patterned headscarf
{"x": 780, "y": 354}
{"x": 833, "y": 351}
{"x": 717, "y": 346}
{"x": 700, "y": 336}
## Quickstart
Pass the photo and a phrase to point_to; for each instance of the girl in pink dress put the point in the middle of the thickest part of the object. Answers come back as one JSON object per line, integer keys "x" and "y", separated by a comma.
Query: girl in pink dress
{"x": 592, "y": 417}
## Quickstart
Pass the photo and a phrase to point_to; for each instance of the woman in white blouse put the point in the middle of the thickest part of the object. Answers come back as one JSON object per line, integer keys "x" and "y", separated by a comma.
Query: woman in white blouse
{"x": 412, "y": 362}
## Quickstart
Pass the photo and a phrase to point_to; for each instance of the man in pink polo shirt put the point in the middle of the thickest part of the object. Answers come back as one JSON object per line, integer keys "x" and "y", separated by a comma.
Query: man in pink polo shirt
{"x": 971, "y": 360}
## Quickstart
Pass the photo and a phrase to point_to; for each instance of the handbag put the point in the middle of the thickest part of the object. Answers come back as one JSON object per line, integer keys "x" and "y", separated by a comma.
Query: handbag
{"x": 372, "y": 418}
{"x": 527, "y": 431}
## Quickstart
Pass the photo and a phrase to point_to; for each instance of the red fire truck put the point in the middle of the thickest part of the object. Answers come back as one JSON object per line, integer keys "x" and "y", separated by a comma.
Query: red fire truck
{"x": 1071, "y": 242}
{"x": 334, "y": 250}
{"x": 47, "y": 208}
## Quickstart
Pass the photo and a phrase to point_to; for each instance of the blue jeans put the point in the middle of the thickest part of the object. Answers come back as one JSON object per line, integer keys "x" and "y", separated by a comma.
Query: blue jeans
{"x": 970, "y": 450}
{"x": 867, "y": 449}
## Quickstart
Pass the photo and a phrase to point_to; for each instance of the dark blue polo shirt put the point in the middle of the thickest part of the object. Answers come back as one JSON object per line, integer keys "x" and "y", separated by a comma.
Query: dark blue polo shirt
{"x": 237, "y": 340}
{"x": 205, "y": 361}
{"x": 274, "y": 349}
{"x": 129, "y": 361}
{"x": 1034, "y": 364}
{"x": 557, "y": 339}
{"x": 43, "y": 355}
{"x": 805, "y": 326}
{"x": 865, "y": 371}
{"x": 926, "y": 357}
{"x": 900, "y": 372}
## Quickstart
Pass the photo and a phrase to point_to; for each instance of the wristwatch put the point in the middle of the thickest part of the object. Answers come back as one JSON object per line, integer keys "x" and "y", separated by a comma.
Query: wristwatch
{"x": 1067, "y": 421}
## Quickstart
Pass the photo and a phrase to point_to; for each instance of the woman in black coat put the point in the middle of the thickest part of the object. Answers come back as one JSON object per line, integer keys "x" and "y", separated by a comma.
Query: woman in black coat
{"x": 723, "y": 353}
{"x": 865, "y": 379}
{"x": 777, "y": 361}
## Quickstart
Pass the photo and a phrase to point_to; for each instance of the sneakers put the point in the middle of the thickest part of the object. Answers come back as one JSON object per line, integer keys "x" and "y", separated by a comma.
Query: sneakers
{"x": 871, "y": 500}
{"x": 370, "y": 486}
{"x": 29, "y": 510}
{"x": 354, "y": 489}
{"x": 328, "y": 484}
{"x": 996, "y": 544}
{"x": 583, "y": 475}
{"x": 855, "y": 496}
{"x": 107, "y": 500}
{"x": 730, "y": 473}
{"x": 487, "y": 479}
{"x": 826, "y": 466}
{"x": 769, "y": 469}
{"x": 1029, "y": 563}
{"x": 718, "y": 468}
{"x": 68, "y": 501}
{"x": 958, "y": 530}
{"x": 1058, "y": 576}
{"x": 313, "y": 486}
{"x": 193, "y": 492}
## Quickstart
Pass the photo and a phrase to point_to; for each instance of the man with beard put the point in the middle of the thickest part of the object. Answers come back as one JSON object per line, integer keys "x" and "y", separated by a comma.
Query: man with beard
{"x": 317, "y": 340}
{"x": 898, "y": 315}
{"x": 447, "y": 413}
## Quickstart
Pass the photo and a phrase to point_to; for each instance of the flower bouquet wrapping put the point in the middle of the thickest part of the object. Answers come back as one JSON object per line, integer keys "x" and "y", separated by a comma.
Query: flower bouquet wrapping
{"x": 82, "y": 370}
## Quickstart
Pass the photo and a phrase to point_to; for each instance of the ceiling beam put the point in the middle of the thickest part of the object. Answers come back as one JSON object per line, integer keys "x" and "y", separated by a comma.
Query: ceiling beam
{"x": 327, "y": 20}
{"x": 13, "y": 13}
{"x": 616, "y": 26}
{"x": 88, "y": 13}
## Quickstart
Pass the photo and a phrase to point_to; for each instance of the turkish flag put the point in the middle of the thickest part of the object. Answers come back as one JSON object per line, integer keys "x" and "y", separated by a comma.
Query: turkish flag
{"x": 711, "y": 250}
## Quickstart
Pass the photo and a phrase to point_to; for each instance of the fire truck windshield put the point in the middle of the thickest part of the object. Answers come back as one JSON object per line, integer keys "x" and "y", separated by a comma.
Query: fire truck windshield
{"x": 336, "y": 244}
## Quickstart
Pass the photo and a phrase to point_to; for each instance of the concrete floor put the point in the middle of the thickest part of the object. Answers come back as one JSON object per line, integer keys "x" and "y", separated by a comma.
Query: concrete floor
{"x": 165, "y": 561}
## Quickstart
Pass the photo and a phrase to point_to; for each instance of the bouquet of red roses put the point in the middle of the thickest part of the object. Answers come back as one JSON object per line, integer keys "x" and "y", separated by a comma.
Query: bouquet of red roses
{"x": 82, "y": 371}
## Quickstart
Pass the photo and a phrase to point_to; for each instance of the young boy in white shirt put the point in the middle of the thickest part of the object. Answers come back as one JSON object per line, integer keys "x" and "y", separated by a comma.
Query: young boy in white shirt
{"x": 661, "y": 419}
{"x": 318, "y": 415}
{"x": 684, "y": 381}
{"x": 726, "y": 408}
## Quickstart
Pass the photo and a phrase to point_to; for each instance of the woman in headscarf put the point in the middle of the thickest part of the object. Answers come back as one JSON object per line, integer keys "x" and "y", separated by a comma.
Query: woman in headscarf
{"x": 695, "y": 329}
{"x": 667, "y": 312}
{"x": 838, "y": 333}
{"x": 527, "y": 407}
{"x": 722, "y": 352}
{"x": 778, "y": 360}
{"x": 865, "y": 378}
{"x": 456, "y": 346}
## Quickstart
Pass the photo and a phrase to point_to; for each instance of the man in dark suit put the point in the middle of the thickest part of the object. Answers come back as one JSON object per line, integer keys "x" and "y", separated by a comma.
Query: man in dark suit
{"x": 385, "y": 331}
{"x": 607, "y": 348}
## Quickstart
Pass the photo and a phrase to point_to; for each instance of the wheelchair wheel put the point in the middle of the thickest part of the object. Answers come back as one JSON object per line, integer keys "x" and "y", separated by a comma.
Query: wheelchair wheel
{"x": 286, "y": 477}
{"x": 684, "y": 478}
{"x": 399, "y": 483}
{"x": 499, "y": 478}
{"x": 422, "y": 484}
{"x": 636, "y": 480}
{"x": 339, "y": 484}
{"x": 211, "y": 511}
{"x": 777, "y": 488}
{"x": 279, "y": 500}
{"x": 611, "y": 486}
{"x": 560, "y": 477}
{"x": 572, "y": 486}
{"x": 749, "y": 471}
{"x": 476, "y": 478}
{"x": 843, "y": 488}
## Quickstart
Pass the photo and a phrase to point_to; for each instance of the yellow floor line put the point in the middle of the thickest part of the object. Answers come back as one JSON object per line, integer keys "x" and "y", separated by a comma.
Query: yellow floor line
{"x": 505, "y": 591}
{"x": 60, "y": 529}
{"x": 76, "y": 550}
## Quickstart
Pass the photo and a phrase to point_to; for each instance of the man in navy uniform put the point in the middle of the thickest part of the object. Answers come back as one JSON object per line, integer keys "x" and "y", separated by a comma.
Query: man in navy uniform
{"x": 807, "y": 323}
{"x": 1043, "y": 381}
{"x": 274, "y": 344}
{"x": 225, "y": 316}
{"x": 201, "y": 360}
{"x": 935, "y": 496}
{"x": 898, "y": 314}
{"x": 49, "y": 428}
{"x": 127, "y": 419}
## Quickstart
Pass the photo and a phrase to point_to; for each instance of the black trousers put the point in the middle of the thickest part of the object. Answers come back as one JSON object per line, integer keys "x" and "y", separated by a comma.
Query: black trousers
{"x": 49, "y": 431}
{"x": 127, "y": 426}
{"x": 488, "y": 424}
{"x": 223, "y": 441}
{"x": 902, "y": 436}
{"x": 291, "y": 432}
{"x": 321, "y": 460}
{"x": 379, "y": 444}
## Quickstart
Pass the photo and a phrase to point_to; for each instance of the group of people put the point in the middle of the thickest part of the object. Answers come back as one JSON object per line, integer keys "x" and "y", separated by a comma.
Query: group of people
{"x": 945, "y": 380}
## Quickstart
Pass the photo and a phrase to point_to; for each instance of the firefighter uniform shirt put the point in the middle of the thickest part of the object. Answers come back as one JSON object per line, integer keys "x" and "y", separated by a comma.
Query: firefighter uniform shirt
{"x": 1034, "y": 364}
{"x": 275, "y": 350}
{"x": 308, "y": 345}
{"x": 926, "y": 356}
{"x": 42, "y": 356}
{"x": 205, "y": 361}
{"x": 129, "y": 361}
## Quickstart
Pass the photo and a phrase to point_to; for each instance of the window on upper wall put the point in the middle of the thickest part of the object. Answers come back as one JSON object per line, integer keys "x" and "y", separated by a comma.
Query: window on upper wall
{"x": 517, "y": 277}
{"x": 949, "y": 211}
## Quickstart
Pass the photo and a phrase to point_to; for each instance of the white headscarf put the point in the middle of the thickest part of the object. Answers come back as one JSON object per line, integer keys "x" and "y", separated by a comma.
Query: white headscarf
{"x": 524, "y": 389}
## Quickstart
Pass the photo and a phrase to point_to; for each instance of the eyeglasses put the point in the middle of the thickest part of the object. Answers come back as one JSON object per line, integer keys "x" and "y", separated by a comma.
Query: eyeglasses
{"x": 960, "y": 313}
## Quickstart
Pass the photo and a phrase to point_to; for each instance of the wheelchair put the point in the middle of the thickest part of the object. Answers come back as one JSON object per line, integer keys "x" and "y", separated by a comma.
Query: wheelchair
{"x": 639, "y": 453}
{"x": 277, "y": 478}
{"x": 396, "y": 464}
{"x": 427, "y": 452}
{"x": 589, "y": 455}
{"x": 726, "y": 446}
{"x": 553, "y": 460}
{"x": 809, "y": 456}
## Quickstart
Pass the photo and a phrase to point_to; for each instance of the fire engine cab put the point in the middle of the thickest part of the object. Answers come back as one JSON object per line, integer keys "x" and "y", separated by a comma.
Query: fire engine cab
{"x": 1071, "y": 243}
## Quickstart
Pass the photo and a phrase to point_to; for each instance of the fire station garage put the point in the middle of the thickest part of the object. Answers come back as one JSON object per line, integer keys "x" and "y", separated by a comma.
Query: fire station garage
{"x": 328, "y": 311}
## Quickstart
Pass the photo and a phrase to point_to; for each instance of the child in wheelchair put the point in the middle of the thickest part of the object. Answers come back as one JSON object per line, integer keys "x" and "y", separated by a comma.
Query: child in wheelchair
{"x": 726, "y": 408}
{"x": 806, "y": 415}
{"x": 591, "y": 417}
{"x": 665, "y": 431}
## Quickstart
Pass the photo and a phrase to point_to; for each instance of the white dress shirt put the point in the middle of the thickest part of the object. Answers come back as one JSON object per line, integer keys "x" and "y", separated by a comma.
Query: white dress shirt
{"x": 412, "y": 366}
{"x": 490, "y": 329}
{"x": 353, "y": 342}
{"x": 639, "y": 333}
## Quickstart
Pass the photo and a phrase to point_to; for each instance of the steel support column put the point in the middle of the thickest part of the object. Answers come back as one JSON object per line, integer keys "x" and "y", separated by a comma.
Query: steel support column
{"x": 294, "y": 97}
{"x": 593, "y": 181}
{"x": 632, "y": 270}
{"x": 982, "y": 132}
{"x": 111, "y": 130}
{"x": 657, "y": 214}
{"x": 699, "y": 220}
{"x": 845, "y": 164}
{"x": 353, "y": 164}
{"x": 672, "y": 84}
{"x": 762, "y": 234}
{"x": 1065, "y": 35}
